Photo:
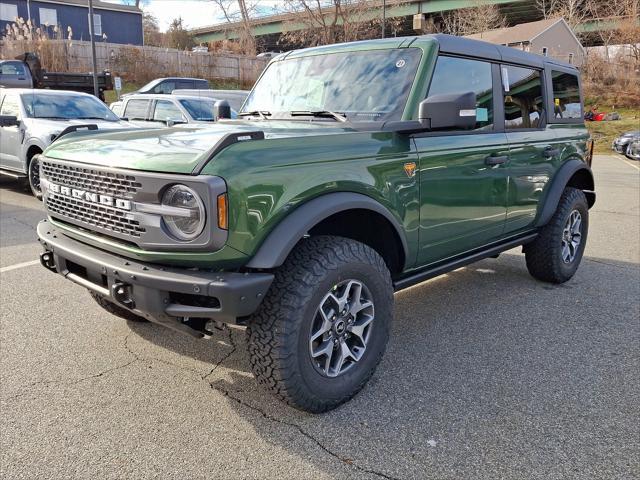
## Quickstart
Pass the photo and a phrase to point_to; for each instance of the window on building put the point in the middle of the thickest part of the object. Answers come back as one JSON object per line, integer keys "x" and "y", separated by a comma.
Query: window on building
{"x": 97, "y": 24}
{"x": 136, "y": 109}
{"x": 460, "y": 75}
{"x": 523, "y": 100}
{"x": 571, "y": 58}
{"x": 566, "y": 95}
{"x": 166, "y": 110}
{"x": 48, "y": 16}
{"x": 8, "y": 12}
{"x": 544, "y": 51}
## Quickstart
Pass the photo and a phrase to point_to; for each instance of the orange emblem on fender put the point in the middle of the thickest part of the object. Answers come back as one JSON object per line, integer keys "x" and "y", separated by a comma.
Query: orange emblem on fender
{"x": 410, "y": 169}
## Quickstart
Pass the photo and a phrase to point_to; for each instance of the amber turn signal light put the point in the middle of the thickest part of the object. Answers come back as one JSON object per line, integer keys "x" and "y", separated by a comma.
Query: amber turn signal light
{"x": 223, "y": 212}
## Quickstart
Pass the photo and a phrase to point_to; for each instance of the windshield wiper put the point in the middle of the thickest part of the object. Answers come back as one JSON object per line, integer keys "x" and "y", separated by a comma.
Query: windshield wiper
{"x": 262, "y": 113}
{"x": 91, "y": 118}
{"x": 341, "y": 117}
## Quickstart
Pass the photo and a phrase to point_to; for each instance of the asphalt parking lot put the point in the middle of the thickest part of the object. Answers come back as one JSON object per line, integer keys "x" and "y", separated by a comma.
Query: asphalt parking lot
{"x": 489, "y": 374}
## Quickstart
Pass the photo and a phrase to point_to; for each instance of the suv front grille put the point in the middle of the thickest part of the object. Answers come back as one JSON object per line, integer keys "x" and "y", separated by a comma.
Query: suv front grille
{"x": 101, "y": 216}
{"x": 93, "y": 180}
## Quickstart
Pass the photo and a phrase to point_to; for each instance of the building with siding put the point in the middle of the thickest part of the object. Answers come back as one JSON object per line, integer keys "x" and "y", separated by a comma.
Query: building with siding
{"x": 552, "y": 37}
{"x": 113, "y": 23}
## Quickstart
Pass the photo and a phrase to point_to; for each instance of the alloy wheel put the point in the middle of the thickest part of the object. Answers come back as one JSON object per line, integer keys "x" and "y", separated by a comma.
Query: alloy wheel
{"x": 571, "y": 237}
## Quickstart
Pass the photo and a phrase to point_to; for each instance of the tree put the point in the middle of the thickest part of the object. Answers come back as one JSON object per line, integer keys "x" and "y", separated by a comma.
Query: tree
{"x": 476, "y": 19}
{"x": 612, "y": 15}
{"x": 240, "y": 12}
{"x": 178, "y": 36}
{"x": 574, "y": 12}
{"x": 151, "y": 31}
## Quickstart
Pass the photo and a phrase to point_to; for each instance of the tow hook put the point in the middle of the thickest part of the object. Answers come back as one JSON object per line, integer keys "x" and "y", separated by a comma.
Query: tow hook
{"x": 47, "y": 261}
{"x": 121, "y": 293}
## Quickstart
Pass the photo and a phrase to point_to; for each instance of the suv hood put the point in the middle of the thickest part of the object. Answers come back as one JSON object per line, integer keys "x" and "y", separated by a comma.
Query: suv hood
{"x": 174, "y": 149}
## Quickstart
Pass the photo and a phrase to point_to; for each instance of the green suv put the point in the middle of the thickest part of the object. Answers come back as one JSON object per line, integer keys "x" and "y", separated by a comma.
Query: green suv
{"x": 355, "y": 170}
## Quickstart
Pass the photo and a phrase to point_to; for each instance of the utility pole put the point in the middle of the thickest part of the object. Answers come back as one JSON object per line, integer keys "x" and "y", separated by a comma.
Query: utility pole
{"x": 384, "y": 16}
{"x": 96, "y": 91}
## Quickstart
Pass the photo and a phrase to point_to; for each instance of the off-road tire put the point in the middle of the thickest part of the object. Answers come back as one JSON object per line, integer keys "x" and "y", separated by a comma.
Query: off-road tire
{"x": 278, "y": 333}
{"x": 116, "y": 310}
{"x": 544, "y": 254}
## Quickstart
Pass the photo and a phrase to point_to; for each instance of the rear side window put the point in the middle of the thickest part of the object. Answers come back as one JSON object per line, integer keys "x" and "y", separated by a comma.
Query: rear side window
{"x": 136, "y": 109}
{"x": 460, "y": 75}
{"x": 201, "y": 84}
{"x": 523, "y": 100}
{"x": 566, "y": 96}
{"x": 184, "y": 84}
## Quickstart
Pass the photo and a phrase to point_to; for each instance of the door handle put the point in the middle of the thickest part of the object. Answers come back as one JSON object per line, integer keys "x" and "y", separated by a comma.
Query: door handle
{"x": 496, "y": 160}
{"x": 551, "y": 152}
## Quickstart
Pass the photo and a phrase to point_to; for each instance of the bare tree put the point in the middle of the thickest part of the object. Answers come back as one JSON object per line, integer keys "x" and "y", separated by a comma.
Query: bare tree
{"x": 331, "y": 21}
{"x": 239, "y": 12}
{"x": 475, "y": 19}
{"x": 612, "y": 14}
{"x": 574, "y": 12}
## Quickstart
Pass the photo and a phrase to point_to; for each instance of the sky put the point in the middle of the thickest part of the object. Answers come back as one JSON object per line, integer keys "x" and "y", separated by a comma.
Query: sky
{"x": 195, "y": 13}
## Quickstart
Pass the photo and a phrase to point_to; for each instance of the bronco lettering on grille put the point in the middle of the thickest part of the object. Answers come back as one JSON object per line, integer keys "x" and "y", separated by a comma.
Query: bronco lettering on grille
{"x": 91, "y": 197}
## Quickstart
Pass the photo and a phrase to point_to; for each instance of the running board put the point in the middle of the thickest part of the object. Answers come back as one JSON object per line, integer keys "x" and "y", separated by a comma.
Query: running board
{"x": 12, "y": 174}
{"x": 474, "y": 256}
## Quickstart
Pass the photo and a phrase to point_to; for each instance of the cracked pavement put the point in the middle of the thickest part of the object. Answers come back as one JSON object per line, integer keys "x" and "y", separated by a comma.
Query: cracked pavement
{"x": 489, "y": 374}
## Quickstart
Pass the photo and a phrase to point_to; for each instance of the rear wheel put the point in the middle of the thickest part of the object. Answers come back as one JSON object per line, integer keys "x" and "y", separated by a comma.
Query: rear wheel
{"x": 324, "y": 325}
{"x": 554, "y": 256}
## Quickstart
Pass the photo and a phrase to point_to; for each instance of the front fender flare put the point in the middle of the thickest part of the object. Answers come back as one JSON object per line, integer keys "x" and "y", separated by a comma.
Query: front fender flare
{"x": 281, "y": 240}
{"x": 558, "y": 184}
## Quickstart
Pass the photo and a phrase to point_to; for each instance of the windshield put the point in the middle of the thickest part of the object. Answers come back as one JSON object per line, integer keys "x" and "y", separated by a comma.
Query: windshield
{"x": 365, "y": 86}
{"x": 66, "y": 107}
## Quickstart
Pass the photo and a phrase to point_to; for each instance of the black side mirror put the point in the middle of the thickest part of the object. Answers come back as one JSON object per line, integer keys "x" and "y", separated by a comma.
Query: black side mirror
{"x": 9, "y": 121}
{"x": 221, "y": 109}
{"x": 451, "y": 110}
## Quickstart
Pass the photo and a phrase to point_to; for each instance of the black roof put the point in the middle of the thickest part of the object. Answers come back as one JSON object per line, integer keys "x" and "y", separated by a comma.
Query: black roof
{"x": 480, "y": 49}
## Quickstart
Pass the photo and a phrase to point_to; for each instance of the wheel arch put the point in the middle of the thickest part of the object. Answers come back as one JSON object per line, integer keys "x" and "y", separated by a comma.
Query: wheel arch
{"x": 329, "y": 215}
{"x": 573, "y": 173}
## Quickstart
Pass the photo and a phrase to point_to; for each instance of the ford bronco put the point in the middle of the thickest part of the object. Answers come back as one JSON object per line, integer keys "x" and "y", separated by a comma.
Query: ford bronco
{"x": 355, "y": 170}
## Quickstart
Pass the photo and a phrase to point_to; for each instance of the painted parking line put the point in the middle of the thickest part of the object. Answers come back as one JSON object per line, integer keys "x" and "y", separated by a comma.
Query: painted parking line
{"x": 19, "y": 265}
{"x": 626, "y": 161}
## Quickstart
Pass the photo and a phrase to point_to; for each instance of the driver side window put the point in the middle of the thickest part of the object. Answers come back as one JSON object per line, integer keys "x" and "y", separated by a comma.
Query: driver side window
{"x": 459, "y": 75}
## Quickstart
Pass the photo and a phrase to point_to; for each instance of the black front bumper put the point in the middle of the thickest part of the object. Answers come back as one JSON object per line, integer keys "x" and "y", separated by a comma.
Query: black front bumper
{"x": 166, "y": 295}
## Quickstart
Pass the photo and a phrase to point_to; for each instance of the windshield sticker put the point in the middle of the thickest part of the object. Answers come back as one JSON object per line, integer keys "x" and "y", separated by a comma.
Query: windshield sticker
{"x": 505, "y": 79}
{"x": 482, "y": 115}
{"x": 400, "y": 63}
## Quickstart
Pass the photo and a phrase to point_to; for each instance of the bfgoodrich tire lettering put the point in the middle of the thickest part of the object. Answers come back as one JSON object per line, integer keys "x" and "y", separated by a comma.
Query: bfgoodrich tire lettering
{"x": 549, "y": 257}
{"x": 279, "y": 333}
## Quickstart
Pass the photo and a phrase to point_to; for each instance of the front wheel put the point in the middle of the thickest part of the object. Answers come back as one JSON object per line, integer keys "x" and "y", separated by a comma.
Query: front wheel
{"x": 554, "y": 256}
{"x": 324, "y": 324}
{"x": 34, "y": 176}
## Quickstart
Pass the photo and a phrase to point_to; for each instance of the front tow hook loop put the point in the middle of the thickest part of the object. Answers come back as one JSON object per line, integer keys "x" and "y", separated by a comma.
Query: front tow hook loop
{"x": 121, "y": 293}
{"x": 48, "y": 262}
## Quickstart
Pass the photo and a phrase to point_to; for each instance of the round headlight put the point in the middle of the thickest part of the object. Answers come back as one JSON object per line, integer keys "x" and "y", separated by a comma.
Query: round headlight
{"x": 187, "y": 217}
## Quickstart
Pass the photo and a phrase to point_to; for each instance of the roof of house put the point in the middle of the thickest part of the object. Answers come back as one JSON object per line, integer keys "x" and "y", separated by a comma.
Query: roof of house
{"x": 97, "y": 4}
{"x": 525, "y": 32}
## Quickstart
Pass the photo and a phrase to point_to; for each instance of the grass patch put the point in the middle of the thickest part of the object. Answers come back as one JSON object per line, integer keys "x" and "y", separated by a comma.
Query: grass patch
{"x": 127, "y": 87}
{"x": 603, "y": 133}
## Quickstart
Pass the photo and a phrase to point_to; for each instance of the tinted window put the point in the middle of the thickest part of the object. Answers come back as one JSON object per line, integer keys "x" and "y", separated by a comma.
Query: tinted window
{"x": 11, "y": 68}
{"x": 166, "y": 110}
{"x": 66, "y": 106}
{"x": 136, "y": 109}
{"x": 184, "y": 84}
{"x": 459, "y": 75}
{"x": 165, "y": 87}
{"x": 200, "y": 84}
{"x": 366, "y": 86}
{"x": 523, "y": 102}
{"x": 566, "y": 95}
{"x": 10, "y": 106}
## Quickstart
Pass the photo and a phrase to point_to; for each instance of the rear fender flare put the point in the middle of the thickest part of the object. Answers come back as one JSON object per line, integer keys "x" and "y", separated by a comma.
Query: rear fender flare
{"x": 284, "y": 237}
{"x": 558, "y": 184}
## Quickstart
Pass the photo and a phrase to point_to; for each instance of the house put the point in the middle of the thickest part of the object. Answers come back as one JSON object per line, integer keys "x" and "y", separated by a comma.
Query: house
{"x": 552, "y": 37}
{"x": 114, "y": 23}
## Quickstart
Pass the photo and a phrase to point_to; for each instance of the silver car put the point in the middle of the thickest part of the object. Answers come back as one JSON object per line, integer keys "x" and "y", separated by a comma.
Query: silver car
{"x": 158, "y": 110}
{"x": 30, "y": 120}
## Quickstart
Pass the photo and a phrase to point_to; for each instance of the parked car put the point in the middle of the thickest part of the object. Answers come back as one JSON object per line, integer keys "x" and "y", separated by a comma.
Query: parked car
{"x": 25, "y": 71}
{"x": 147, "y": 110}
{"x": 621, "y": 143}
{"x": 31, "y": 119}
{"x": 235, "y": 97}
{"x": 358, "y": 169}
{"x": 169, "y": 84}
{"x": 633, "y": 150}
